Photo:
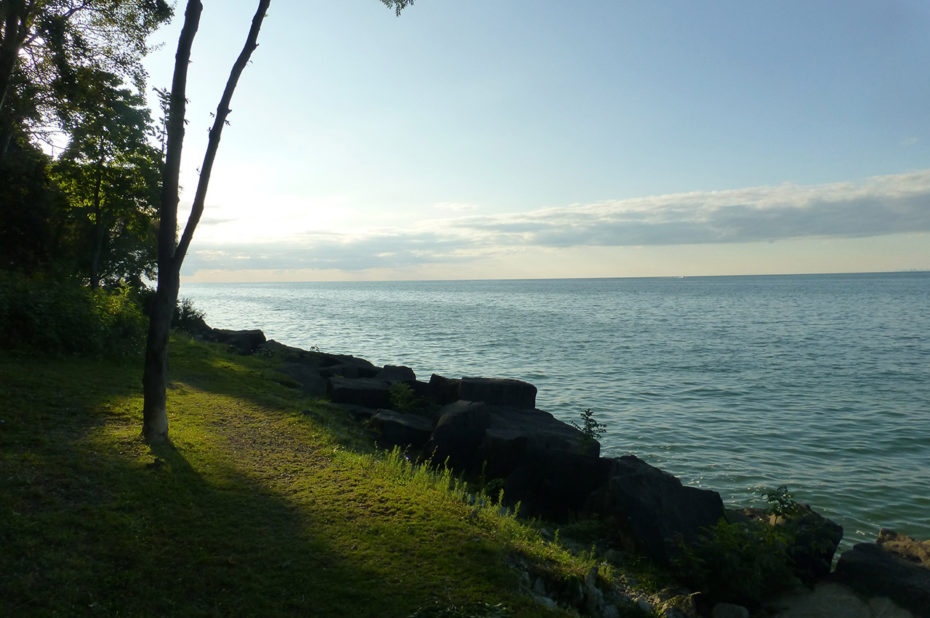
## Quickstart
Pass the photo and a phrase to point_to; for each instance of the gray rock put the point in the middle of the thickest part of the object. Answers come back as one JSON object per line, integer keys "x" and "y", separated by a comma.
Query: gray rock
{"x": 833, "y": 600}
{"x": 396, "y": 373}
{"x": 309, "y": 379}
{"x": 500, "y": 392}
{"x": 652, "y": 510}
{"x": 328, "y": 365}
{"x": 400, "y": 429}
{"x": 444, "y": 390}
{"x": 458, "y": 433}
{"x": 815, "y": 539}
{"x": 895, "y": 567}
{"x": 545, "y": 463}
{"x": 367, "y": 392}
{"x": 244, "y": 341}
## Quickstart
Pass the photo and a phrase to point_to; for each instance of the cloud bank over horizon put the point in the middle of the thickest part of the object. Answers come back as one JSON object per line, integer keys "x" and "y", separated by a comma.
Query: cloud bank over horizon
{"x": 878, "y": 206}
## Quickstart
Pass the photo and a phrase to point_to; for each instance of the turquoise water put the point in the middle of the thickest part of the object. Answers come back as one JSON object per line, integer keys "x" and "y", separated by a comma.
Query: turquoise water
{"x": 820, "y": 382}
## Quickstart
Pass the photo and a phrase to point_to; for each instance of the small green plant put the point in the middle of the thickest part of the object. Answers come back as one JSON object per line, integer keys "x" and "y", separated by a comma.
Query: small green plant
{"x": 592, "y": 429}
{"x": 188, "y": 318}
{"x": 740, "y": 562}
{"x": 781, "y": 502}
{"x": 402, "y": 397}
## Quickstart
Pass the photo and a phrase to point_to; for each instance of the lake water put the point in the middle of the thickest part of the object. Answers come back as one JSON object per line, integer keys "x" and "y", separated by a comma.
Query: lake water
{"x": 819, "y": 382}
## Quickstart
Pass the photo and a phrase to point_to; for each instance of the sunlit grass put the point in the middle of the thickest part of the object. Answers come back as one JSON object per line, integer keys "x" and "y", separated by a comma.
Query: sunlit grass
{"x": 257, "y": 507}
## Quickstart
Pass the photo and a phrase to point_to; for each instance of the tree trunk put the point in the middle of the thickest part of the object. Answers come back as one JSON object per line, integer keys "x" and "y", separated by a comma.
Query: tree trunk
{"x": 170, "y": 252}
{"x": 155, "y": 371}
{"x": 155, "y": 375}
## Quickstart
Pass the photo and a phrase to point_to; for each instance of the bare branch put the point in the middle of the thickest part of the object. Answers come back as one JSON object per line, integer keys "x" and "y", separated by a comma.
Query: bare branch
{"x": 222, "y": 111}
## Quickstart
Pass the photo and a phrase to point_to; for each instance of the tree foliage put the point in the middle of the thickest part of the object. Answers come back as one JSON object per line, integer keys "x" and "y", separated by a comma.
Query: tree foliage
{"x": 44, "y": 44}
{"x": 110, "y": 173}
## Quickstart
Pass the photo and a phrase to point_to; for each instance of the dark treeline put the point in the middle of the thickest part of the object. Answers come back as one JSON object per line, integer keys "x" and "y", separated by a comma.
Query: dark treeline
{"x": 80, "y": 166}
{"x": 71, "y": 77}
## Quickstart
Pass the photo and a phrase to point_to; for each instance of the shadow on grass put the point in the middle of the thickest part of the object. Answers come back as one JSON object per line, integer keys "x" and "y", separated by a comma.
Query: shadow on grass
{"x": 93, "y": 521}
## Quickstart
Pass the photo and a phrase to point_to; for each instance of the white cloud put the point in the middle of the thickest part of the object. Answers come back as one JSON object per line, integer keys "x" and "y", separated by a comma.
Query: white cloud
{"x": 877, "y": 206}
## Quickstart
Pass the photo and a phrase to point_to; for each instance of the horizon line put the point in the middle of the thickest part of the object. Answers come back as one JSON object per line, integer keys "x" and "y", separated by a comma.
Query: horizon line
{"x": 674, "y": 277}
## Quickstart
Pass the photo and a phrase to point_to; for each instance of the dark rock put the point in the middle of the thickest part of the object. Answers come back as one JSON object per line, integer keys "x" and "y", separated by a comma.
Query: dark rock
{"x": 500, "y": 392}
{"x": 284, "y": 352}
{"x": 444, "y": 390}
{"x": 367, "y": 392}
{"x": 397, "y": 373}
{"x": 358, "y": 413}
{"x": 653, "y": 511}
{"x": 458, "y": 433}
{"x": 309, "y": 379}
{"x": 400, "y": 429}
{"x": 546, "y": 464}
{"x": 342, "y": 365}
{"x": 327, "y": 365}
{"x": 905, "y": 546}
{"x": 895, "y": 567}
{"x": 422, "y": 390}
{"x": 244, "y": 341}
{"x": 814, "y": 541}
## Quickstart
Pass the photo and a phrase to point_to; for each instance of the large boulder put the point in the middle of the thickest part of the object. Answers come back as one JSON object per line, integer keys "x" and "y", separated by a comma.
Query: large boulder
{"x": 652, "y": 511}
{"x": 549, "y": 466}
{"x": 499, "y": 392}
{"x": 307, "y": 377}
{"x": 814, "y": 540}
{"x": 343, "y": 365}
{"x": 401, "y": 429}
{"x": 244, "y": 341}
{"x": 397, "y": 373}
{"x": 327, "y": 365}
{"x": 367, "y": 392}
{"x": 458, "y": 433}
{"x": 444, "y": 390}
{"x": 895, "y": 566}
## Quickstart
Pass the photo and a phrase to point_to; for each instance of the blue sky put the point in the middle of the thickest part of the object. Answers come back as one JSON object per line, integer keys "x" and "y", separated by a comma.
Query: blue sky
{"x": 502, "y": 138}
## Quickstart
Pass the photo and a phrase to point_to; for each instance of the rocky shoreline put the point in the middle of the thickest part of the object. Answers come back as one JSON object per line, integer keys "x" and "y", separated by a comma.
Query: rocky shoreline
{"x": 489, "y": 429}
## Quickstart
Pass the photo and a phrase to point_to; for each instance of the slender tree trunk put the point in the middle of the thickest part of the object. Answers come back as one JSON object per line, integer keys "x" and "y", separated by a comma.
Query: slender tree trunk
{"x": 155, "y": 371}
{"x": 170, "y": 253}
{"x": 155, "y": 374}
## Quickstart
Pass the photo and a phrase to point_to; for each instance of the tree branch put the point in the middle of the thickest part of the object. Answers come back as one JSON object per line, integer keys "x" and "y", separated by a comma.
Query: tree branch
{"x": 222, "y": 111}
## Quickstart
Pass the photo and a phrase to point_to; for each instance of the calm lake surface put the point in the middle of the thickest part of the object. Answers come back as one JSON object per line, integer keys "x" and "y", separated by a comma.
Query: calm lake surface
{"x": 819, "y": 382}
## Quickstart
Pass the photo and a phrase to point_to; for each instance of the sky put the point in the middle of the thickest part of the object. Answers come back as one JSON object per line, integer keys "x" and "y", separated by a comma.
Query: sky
{"x": 535, "y": 139}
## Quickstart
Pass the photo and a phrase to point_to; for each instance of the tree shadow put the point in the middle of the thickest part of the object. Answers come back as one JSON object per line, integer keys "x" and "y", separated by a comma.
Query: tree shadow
{"x": 90, "y": 524}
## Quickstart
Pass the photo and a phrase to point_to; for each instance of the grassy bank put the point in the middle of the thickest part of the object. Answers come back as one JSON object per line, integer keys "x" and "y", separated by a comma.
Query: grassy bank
{"x": 264, "y": 503}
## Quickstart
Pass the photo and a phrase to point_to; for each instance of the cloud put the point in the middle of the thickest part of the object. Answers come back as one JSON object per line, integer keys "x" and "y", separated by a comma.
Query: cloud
{"x": 878, "y": 206}
{"x": 881, "y": 205}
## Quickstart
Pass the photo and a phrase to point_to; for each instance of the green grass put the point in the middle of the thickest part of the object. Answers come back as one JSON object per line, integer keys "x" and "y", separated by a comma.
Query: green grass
{"x": 264, "y": 503}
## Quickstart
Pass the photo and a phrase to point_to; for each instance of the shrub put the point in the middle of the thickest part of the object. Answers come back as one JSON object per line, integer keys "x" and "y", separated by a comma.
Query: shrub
{"x": 781, "y": 502}
{"x": 188, "y": 318}
{"x": 63, "y": 316}
{"x": 592, "y": 430}
{"x": 742, "y": 562}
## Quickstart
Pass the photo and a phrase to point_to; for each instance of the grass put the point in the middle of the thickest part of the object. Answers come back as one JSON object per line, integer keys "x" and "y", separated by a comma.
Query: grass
{"x": 264, "y": 503}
